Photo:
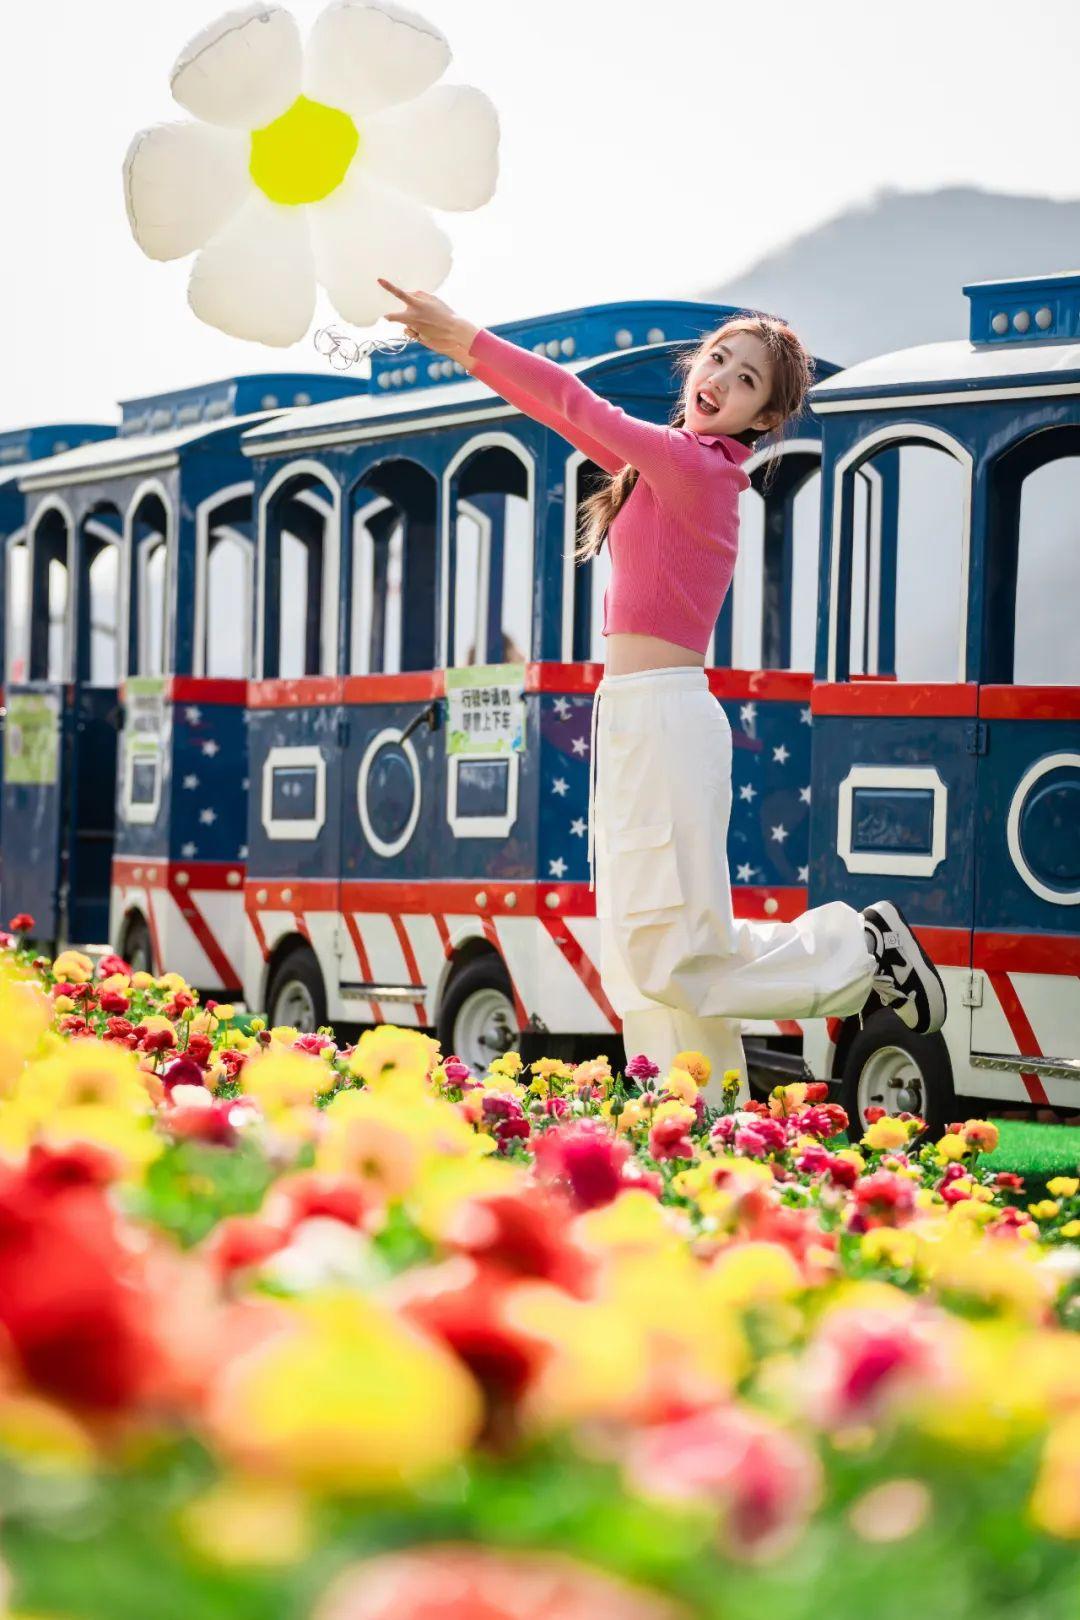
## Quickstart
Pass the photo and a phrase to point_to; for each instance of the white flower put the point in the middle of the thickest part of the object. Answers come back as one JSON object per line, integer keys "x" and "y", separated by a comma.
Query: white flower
{"x": 310, "y": 165}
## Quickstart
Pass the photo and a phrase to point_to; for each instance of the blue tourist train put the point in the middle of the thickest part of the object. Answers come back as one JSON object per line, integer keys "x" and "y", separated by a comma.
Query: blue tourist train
{"x": 298, "y": 676}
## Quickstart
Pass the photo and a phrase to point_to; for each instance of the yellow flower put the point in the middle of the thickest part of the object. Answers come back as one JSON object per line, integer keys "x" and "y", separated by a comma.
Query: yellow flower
{"x": 387, "y": 1050}
{"x": 510, "y": 1063}
{"x": 224, "y": 1012}
{"x": 346, "y": 1399}
{"x": 142, "y": 981}
{"x": 442, "y": 1188}
{"x": 283, "y": 1080}
{"x": 1055, "y": 1501}
{"x": 887, "y": 1133}
{"x": 1071, "y": 1230}
{"x": 245, "y": 1521}
{"x": 634, "y": 1221}
{"x": 853, "y": 1156}
{"x": 890, "y": 1246}
{"x": 982, "y": 1135}
{"x": 752, "y": 1274}
{"x": 116, "y": 981}
{"x": 952, "y": 1148}
{"x": 732, "y": 1081}
{"x": 63, "y": 1004}
{"x": 697, "y": 1066}
{"x": 1063, "y": 1186}
{"x": 1045, "y": 1209}
{"x": 284, "y": 1035}
{"x": 681, "y": 1084}
{"x": 74, "y": 967}
{"x": 171, "y": 982}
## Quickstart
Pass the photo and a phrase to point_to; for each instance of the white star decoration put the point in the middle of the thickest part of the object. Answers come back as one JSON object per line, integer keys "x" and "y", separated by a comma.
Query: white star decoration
{"x": 578, "y": 827}
{"x": 187, "y": 851}
{"x": 804, "y": 874}
{"x": 208, "y": 817}
{"x": 778, "y": 834}
{"x": 561, "y": 707}
{"x": 579, "y": 746}
{"x": 210, "y": 748}
{"x": 559, "y": 786}
{"x": 557, "y": 869}
{"x": 241, "y": 853}
{"x": 804, "y": 795}
{"x": 747, "y": 791}
{"x": 781, "y": 755}
{"x": 193, "y": 715}
{"x": 805, "y": 717}
{"x": 748, "y": 713}
{"x": 745, "y": 872}
{"x": 191, "y": 782}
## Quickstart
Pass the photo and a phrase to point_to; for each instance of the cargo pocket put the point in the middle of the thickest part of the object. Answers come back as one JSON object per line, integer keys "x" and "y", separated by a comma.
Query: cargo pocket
{"x": 644, "y": 871}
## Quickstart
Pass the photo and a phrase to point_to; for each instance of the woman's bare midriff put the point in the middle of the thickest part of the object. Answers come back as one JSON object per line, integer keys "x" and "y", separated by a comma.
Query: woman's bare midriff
{"x": 625, "y": 654}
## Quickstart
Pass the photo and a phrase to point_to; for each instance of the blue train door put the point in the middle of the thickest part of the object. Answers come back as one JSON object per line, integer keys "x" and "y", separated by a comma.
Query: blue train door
{"x": 895, "y": 737}
{"x": 1026, "y": 987}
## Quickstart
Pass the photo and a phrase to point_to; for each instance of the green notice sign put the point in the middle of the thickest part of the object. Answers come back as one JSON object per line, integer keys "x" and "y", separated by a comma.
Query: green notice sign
{"x": 32, "y": 738}
{"x": 486, "y": 705}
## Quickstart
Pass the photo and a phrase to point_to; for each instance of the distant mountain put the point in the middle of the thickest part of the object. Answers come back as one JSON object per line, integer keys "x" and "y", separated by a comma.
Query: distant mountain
{"x": 889, "y": 273}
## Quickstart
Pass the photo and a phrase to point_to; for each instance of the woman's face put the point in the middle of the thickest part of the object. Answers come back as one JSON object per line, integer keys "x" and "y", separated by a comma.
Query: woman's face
{"x": 733, "y": 374}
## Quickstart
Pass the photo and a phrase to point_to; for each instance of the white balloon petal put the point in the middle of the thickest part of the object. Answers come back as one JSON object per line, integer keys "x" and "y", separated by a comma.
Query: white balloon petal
{"x": 441, "y": 147}
{"x": 367, "y": 230}
{"x": 256, "y": 278}
{"x": 367, "y": 54}
{"x": 243, "y": 70}
{"x": 181, "y": 183}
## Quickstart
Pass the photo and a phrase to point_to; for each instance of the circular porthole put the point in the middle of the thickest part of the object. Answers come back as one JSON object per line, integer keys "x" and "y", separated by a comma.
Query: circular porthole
{"x": 388, "y": 792}
{"x": 1044, "y": 829}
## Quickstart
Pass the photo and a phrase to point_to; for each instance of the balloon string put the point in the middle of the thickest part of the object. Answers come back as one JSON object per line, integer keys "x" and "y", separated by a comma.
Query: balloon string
{"x": 344, "y": 351}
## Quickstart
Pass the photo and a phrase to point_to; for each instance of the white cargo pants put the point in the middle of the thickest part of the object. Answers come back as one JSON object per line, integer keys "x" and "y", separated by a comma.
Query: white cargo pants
{"x": 676, "y": 965}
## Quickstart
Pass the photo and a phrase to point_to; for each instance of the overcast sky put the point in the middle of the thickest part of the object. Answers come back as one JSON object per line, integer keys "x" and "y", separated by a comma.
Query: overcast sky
{"x": 645, "y": 152}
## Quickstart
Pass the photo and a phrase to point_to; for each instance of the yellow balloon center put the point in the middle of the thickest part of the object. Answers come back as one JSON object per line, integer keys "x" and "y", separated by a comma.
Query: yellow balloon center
{"x": 303, "y": 156}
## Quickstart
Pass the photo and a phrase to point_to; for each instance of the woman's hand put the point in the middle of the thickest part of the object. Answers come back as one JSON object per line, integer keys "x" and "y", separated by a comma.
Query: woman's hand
{"x": 431, "y": 322}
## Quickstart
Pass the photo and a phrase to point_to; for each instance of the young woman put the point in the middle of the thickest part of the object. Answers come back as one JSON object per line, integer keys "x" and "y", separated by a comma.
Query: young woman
{"x": 676, "y": 965}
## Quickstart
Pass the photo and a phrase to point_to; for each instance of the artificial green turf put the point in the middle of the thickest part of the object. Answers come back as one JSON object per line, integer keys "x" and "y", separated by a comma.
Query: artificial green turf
{"x": 1035, "y": 1150}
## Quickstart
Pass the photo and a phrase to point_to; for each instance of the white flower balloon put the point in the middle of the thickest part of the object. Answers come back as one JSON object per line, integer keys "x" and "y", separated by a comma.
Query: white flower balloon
{"x": 310, "y": 165}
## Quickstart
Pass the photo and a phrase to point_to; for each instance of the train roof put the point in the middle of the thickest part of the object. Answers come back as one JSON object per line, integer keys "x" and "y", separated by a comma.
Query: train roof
{"x": 374, "y": 415}
{"x": 118, "y": 457}
{"x": 1023, "y": 332}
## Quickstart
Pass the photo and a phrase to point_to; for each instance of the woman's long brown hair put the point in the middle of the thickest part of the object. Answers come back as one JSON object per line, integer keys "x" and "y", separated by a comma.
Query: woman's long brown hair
{"x": 792, "y": 375}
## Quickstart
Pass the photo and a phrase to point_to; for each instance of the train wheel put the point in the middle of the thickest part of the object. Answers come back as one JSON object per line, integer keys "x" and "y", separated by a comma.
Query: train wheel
{"x": 889, "y": 1067}
{"x": 297, "y": 995}
{"x": 477, "y": 1021}
{"x": 137, "y": 949}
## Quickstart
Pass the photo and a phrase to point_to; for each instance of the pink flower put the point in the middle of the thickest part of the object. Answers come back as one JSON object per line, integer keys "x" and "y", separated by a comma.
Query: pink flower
{"x": 763, "y": 1137}
{"x": 884, "y": 1199}
{"x": 639, "y": 1068}
{"x": 668, "y": 1139}
{"x": 586, "y": 1158}
{"x": 864, "y": 1361}
{"x": 764, "y": 1481}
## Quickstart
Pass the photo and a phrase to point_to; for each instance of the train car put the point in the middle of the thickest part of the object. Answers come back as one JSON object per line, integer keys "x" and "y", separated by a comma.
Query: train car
{"x": 950, "y": 778}
{"x": 130, "y": 823}
{"x": 426, "y": 654}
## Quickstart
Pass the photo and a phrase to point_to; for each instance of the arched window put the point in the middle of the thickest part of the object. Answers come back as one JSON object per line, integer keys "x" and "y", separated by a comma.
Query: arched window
{"x": 394, "y": 588}
{"x": 299, "y": 594}
{"x": 585, "y": 583}
{"x": 50, "y": 545}
{"x": 490, "y": 537}
{"x": 148, "y": 652}
{"x": 18, "y": 609}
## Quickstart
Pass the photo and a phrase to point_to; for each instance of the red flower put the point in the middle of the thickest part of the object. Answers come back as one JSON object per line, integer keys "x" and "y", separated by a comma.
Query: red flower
{"x": 862, "y": 1361}
{"x": 842, "y": 1172}
{"x": 668, "y": 1139}
{"x": 240, "y": 1241}
{"x": 70, "y": 1300}
{"x": 584, "y": 1157}
{"x": 182, "y": 1071}
{"x": 309, "y": 1194}
{"x": 484, "y": 1583}
{"x": 21, "y": 923}
{"x": 505, "y": 1118}
{"x": 872, "y": 1115}
{"x": 465, "y": 1305}
{"x": 817, "y": 1091}
{"x": 523, "y": 1233}
{"x": 884, "y": 1199}
{"x": 204, "y": 1124}
{"x": 155, "y": 1040}
{"x": 1008, "y": 1181}
{"x": 111, "y": 1001}
{"x": 198, "y": 1049}
{"x": 112, "y": 964}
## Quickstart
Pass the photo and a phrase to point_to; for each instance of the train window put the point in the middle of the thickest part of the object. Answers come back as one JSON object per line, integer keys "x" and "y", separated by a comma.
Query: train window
{"x": 747, "y": 582}
{"x": 227, "y": 644}
{"x": 224, "y": 608}
{"x": 299, "y": 606}
{"x": 908, "y": 528}
{"x": 1047, "y": 649}
{"x": 773, "y": 600}
{"x": 491, "y": 557}
{"x": 805, "y": 560}
{"x": 18, "y": 609}
{"x": 103, "y": 580}
{"x": 585, "y": 583}
{"x": 394, "y": 519}
{"x": 147, "y": 629}
{"x": 49, "y": 597}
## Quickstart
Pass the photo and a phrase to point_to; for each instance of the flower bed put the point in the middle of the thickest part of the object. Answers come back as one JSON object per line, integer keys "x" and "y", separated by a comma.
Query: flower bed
{"x": 293, "y": 1329}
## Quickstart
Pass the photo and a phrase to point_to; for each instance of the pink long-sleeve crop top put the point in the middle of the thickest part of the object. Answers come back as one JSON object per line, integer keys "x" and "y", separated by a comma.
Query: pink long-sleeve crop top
{"x": 673, "y": 543}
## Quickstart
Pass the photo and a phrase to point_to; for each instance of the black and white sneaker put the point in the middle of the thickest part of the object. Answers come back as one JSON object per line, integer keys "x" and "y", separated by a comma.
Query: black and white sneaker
{"x": 906, "y": 981}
